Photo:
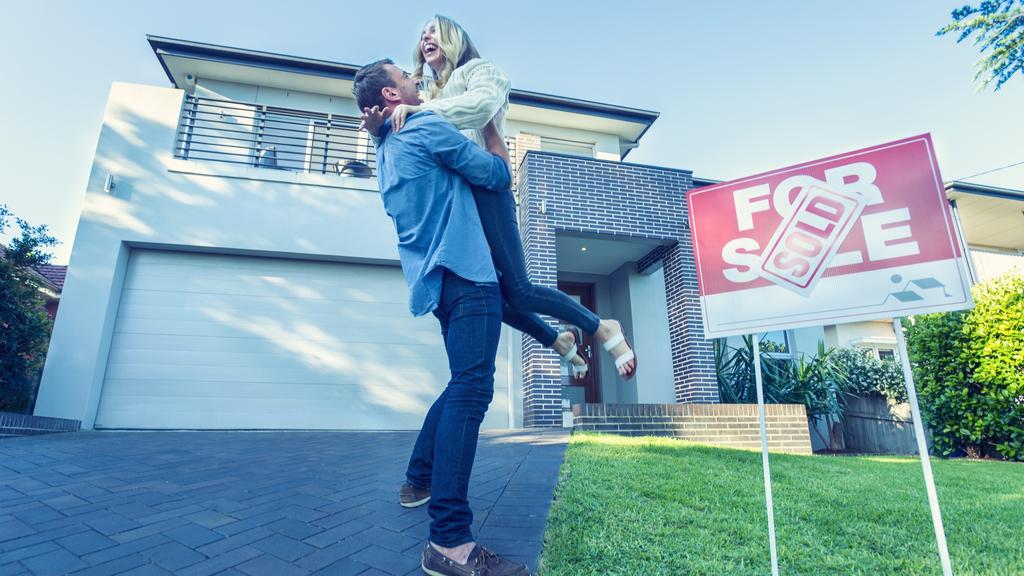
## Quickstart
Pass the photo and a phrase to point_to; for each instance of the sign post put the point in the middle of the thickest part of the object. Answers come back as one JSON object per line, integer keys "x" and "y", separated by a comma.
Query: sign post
{"x": 764, "y": 456}
{"x": 922, "y": 449}
{"x": 865, "y": 235}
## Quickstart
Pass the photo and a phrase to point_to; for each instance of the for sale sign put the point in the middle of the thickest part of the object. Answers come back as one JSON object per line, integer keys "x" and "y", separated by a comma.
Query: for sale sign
{"x": 859, "y": 236}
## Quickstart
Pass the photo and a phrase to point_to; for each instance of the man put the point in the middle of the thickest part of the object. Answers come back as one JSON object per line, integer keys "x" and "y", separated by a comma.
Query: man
{"x": 425, "y": 172}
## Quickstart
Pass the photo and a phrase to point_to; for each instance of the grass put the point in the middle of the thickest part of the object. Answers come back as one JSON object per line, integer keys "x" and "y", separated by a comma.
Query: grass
{"x": 633, "y": 506}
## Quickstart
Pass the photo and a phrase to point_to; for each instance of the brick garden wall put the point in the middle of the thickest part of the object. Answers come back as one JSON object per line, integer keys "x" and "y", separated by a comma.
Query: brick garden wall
{"x": 727, "y": 425}
{"x": 12, "y": 424}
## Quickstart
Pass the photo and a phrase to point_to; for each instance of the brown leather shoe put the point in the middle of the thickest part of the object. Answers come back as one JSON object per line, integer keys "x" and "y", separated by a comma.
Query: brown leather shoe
{"x": 410, "y": 496}
{"x": 482, "y": 562}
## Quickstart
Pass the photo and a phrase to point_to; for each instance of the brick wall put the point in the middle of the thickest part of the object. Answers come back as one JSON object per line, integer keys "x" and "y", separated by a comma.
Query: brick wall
{"x": 563, "y": 193}
{"x": 728, "y": 425}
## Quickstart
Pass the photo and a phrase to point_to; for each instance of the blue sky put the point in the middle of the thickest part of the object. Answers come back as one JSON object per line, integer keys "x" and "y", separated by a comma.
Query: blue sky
{"x": 742, "y": 87}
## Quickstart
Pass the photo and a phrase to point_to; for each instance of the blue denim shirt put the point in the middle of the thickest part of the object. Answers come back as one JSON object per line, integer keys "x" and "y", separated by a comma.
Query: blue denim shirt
{"x": 423, "y": 172}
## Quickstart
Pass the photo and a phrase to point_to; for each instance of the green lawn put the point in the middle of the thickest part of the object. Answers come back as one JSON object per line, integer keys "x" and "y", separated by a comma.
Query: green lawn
{"x": 631, "y": 506}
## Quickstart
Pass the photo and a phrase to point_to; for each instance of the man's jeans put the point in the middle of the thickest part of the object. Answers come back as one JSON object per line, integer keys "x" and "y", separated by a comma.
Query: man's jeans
{"x": 442, "y": 460}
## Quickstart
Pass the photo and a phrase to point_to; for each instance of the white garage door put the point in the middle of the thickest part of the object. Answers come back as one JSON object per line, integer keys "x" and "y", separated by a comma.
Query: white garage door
{"x": 227, "y": 342}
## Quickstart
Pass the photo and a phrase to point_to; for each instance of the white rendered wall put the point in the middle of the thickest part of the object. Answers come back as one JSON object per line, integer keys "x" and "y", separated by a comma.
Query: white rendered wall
{"x": 874, "y": 332}
{"x": 655, "y": 382}
{"x": 163, "y": 202}
{"x": 606, "y": 146}
{"x": 220, "y": 90}
{"x": 622, "y": 310}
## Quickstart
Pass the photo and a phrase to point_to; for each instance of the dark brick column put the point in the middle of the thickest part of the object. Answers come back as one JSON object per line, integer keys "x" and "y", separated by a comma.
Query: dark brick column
{"x": 693, "y": 357}
{"x": 542, "y": 382}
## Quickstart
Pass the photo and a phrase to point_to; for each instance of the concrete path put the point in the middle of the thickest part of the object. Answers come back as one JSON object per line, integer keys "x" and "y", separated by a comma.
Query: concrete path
{"x": 251, "y": 503}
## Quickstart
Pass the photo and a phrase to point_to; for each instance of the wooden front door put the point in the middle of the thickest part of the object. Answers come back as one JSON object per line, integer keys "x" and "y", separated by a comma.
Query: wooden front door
{"x": 584, "y": 294}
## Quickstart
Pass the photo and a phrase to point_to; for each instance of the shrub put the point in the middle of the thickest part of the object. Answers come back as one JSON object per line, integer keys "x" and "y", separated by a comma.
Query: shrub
{"x": 818, "y": 382}
{"x": 869, "y": 375}
{"x": 24, "y": 336}
{"x": 969, "y": 370}
{"x": 24, "y": 324}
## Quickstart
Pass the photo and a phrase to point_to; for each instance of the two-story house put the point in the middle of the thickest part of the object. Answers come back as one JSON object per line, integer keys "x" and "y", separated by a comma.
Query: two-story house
{"x": 234, "y": 267}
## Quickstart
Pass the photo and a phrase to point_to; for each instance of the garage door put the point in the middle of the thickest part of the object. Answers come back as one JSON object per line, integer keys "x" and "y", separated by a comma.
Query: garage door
{"x": 227, "y": 342}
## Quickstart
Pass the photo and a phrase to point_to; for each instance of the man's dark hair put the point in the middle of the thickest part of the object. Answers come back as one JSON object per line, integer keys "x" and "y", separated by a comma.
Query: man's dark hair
{"x": 370, "y": 80}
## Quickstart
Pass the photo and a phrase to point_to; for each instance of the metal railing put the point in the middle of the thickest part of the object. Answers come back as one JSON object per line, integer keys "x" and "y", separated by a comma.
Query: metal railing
{"x": 273, "y": 138}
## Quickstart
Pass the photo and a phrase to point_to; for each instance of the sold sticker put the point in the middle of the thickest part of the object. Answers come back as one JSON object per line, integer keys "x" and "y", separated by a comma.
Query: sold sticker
{"x": 857, "y": 236}
{"x": 805, "y": 242}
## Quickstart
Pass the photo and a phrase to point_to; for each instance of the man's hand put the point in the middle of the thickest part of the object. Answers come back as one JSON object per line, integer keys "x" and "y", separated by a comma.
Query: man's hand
{"x": 399, "y": 114}
{"x": 371, "y": 120}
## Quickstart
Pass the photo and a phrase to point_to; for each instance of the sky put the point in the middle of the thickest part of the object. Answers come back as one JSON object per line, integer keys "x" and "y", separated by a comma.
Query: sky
{"x": 742, "y": 87}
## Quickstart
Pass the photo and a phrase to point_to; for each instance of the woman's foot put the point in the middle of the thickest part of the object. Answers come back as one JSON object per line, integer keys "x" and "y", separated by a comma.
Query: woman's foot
{"x": 609, "y": 331}
{"x": 563, "y": 344}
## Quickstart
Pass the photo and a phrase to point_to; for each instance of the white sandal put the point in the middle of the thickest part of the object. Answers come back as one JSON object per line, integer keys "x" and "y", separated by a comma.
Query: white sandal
{"x": 574, "y": 370}
{"x": 626, "y": 356}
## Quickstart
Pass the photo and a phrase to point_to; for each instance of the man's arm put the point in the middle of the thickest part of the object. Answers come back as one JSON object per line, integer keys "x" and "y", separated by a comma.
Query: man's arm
{"x": 461, "y": 154}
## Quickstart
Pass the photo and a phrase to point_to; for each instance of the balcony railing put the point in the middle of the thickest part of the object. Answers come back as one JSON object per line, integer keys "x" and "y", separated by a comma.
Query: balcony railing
{"x": 274, "y": 138}
{"x": 278, "y": 138}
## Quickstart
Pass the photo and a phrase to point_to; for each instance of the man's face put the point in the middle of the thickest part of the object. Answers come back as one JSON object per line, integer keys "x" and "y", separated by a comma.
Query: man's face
{"x": 404, "y": 89}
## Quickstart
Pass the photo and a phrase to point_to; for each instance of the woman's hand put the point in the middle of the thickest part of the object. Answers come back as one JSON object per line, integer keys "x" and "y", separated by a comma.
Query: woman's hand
{"x": 493, "y": 140}
{"x": 371, "y": 120}
{"x": 399, "y": 114}
{"x": 494, "y": 144}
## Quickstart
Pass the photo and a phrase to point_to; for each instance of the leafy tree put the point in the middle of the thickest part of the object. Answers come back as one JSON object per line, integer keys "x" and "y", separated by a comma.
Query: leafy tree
{"x": 24, "y": 324}
{"x": 999, "y": 25}
{"x": 969, "y": 369}
{"x": 869, "y": 375}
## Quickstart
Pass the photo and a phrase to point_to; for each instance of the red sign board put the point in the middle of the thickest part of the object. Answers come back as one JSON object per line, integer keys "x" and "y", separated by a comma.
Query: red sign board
{"x": 858, "y": 236}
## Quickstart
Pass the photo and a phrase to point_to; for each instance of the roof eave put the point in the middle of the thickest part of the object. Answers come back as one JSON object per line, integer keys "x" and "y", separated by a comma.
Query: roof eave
{"x": 164, "y": 46}
{"x": 213, "y": 52}
{"x": 983, "y": 190}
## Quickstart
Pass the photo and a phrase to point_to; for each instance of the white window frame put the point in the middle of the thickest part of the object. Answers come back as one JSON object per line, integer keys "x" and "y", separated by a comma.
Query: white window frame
{"x": 591, "y": 147}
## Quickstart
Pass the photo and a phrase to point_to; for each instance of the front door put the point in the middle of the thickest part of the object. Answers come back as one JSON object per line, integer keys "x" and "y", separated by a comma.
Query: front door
{"x": 584, "y": 294}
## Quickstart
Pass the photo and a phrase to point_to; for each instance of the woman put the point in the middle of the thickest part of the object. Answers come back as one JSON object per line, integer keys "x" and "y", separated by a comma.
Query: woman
{"x": 469, "y": 92}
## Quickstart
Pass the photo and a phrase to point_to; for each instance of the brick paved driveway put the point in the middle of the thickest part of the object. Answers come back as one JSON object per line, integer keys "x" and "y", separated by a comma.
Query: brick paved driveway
{"x": 253, "y": 503}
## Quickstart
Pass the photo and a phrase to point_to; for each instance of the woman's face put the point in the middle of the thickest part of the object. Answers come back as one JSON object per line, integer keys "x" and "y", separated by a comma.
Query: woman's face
{"x": 428, "y": 46}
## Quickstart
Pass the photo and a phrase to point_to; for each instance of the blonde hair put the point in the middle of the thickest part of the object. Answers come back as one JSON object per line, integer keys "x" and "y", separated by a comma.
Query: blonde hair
{"x": 456, "y": 46}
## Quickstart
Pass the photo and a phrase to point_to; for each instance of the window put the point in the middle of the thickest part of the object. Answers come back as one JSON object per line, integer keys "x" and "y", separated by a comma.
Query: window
{"x": 883, "y": 353}
{"x": 586, "y": 149}
{"x": 309, "y": 142}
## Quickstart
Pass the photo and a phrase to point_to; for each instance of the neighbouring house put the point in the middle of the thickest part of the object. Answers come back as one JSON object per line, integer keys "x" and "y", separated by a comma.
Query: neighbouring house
{"x": 54, "y": 275}
{"x": 49, "y": 280}
{"x": 992, "y": 225}
{"x": 234, "y": 267}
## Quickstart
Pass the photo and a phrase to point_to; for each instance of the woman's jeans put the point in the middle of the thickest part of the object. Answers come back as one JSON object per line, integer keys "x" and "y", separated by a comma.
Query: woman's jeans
{"x": 442, "y": 460}
{"x": 524, "y": 300}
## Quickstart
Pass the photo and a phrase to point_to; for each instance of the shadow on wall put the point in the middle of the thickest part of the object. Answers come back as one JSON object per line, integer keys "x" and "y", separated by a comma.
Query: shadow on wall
{"x": 138, "y": 151}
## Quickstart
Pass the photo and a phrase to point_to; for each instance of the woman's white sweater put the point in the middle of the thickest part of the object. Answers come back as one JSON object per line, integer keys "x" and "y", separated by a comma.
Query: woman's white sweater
{"x": 476, "y": 92}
